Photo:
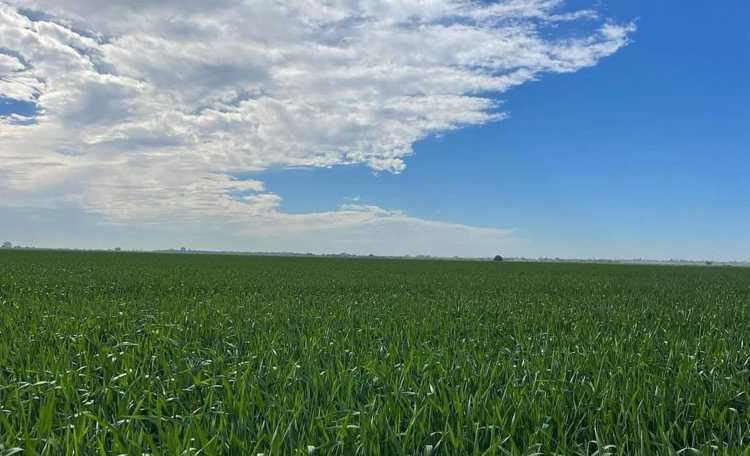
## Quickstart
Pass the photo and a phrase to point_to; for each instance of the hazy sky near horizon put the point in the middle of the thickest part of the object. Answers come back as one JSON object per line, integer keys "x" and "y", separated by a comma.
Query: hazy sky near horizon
{"x": 446, "y": 127}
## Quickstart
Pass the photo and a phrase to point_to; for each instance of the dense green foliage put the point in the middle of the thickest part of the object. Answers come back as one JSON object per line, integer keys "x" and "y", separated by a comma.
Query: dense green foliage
{"x": 118, "y": 353}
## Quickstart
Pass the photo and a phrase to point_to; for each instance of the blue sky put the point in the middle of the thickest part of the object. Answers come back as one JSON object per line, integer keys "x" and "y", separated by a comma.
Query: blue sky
{"x": 647, "y": 152}
{"x": 643, "y": 155}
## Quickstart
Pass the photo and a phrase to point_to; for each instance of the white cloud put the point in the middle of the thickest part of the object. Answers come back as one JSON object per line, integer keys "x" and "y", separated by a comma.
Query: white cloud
{"x": 9, "y": 64}
{"x": 145, "y": 108}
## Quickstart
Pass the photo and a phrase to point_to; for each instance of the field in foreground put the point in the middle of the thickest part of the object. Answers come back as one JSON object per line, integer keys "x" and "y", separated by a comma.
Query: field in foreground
{"x": 115, "y": 353}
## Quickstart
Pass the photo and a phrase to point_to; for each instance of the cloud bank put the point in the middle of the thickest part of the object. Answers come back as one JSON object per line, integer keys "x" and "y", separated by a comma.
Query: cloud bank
{"x": 143, "y": 110}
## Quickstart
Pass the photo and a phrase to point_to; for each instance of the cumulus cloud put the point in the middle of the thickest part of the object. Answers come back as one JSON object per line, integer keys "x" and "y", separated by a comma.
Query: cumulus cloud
{"x": 144, "y": 109}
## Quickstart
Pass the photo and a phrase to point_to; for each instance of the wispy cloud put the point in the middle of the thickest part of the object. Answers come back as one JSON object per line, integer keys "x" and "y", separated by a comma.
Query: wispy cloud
{"x": 144, "y": 109}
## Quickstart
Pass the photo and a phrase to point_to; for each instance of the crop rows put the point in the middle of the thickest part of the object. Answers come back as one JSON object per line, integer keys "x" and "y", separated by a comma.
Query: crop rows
{"x": 120, "y": 353}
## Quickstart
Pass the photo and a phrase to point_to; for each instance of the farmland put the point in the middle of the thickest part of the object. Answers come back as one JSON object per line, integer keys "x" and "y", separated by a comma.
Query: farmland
{"x": 124, "y": 353}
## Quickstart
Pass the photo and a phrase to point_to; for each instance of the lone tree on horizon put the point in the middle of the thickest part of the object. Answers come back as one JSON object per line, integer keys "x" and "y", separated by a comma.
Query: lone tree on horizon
{"x": 7, "y": 245}
{"x": 498, "y": 258}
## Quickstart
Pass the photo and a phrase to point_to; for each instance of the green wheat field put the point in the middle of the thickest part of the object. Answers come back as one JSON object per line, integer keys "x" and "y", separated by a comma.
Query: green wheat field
{"x": 167, "y": 354}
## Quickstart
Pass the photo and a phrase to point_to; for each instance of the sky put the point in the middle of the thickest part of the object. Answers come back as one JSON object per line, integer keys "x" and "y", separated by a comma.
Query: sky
{"x": 530, "y": 128}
